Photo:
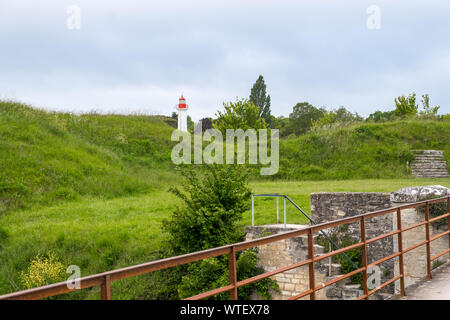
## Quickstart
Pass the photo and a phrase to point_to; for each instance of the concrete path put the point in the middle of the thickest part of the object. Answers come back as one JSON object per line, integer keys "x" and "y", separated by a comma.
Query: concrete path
{"x": 437, "y": 288}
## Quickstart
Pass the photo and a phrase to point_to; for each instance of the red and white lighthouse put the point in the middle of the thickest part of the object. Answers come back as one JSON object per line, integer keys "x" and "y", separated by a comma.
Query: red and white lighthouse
{"x": 182, "y": 114}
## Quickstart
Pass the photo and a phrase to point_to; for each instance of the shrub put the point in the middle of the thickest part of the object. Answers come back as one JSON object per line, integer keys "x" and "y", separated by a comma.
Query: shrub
{"x": 214, "y": 196}
{"x": 43, "y": 271}
{"x": 213, "y": 273}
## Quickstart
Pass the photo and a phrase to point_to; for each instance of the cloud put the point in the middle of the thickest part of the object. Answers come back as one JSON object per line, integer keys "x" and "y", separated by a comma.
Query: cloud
{"x": 137, "y": 56}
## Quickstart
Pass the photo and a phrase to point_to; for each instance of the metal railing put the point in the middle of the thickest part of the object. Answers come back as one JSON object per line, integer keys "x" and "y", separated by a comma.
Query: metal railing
{"x": 285, "y": 197}
{"x": 105, "y": 279}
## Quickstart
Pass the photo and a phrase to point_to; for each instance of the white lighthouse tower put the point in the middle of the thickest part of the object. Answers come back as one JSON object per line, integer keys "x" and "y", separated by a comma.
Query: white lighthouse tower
{"x": 182, "y": 114}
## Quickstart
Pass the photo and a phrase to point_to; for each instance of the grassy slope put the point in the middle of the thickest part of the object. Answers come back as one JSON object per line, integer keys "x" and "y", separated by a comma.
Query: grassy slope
{"x": 361, "y": 151}
{"x": 93, "y": 188}
{"x": 100, "y": 235}
{"x": 51, "y": 157}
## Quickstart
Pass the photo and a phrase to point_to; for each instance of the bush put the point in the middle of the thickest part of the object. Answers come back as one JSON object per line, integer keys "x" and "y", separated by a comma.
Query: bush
{"x": 43, "y": 271}
{"x": 214, "y": 196}
{"x": 213, "y": 273}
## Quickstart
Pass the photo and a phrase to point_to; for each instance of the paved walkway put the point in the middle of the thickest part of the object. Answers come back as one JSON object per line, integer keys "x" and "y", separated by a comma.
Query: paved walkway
{"x": 437, "y": 288}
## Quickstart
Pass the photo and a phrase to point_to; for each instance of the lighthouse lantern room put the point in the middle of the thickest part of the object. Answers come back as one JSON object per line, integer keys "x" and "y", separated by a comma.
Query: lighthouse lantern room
{"x": 182, "y": 114}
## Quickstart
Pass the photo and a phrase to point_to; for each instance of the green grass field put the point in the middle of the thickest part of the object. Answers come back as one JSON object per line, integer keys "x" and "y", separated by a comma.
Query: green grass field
{"x": 93, "y": 188}
{"x": 104, "y": 234}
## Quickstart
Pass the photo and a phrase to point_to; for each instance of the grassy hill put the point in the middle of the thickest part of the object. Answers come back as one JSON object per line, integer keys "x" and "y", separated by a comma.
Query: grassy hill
{"x": 93, "y": 188}
{"x": 361, "y": 151}
{"x": 47, "y": 157}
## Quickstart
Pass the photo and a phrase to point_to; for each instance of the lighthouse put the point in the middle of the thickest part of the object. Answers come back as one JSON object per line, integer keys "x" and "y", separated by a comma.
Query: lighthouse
{"x": 182, "y": 114}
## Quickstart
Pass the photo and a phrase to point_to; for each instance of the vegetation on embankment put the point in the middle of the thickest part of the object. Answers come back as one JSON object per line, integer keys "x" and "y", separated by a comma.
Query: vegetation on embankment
{"x": 106, "y": 234}
{"x": 362, "y": 150}
{"x": 48, "y": 157}
{"x": 93, "y": 188}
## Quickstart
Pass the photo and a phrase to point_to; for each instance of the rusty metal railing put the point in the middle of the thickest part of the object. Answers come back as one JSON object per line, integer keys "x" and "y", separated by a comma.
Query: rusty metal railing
{"x": 312, "y": 222}
{"x": 105, "y": 279}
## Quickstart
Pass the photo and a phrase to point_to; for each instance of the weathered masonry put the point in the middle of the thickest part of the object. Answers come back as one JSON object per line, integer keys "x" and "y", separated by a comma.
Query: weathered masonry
{"x": 279, "y": 254}
{"x": 326, "y": 207}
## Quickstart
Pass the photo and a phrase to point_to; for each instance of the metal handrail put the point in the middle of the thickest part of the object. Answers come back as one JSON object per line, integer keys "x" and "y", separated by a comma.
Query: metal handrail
{"x": 308, "y": 217}
{"x": 105, "y": 279}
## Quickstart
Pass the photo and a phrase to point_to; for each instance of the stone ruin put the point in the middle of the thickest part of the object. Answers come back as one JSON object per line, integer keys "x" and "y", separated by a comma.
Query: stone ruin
{"x": 327, "y": 207}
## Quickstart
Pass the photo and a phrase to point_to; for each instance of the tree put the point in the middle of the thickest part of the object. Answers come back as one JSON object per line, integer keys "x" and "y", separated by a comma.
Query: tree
{"x": 302, "y": 116}
{"x": 341, "y": 116}
{"x": 260, "y": 99}
{"x": 406, "y": 106}
{"x": 242, "y": 114}
{"x": 428, "y": 111}
{"x": 381, "y": 116}
{"x": 281, "y": 123}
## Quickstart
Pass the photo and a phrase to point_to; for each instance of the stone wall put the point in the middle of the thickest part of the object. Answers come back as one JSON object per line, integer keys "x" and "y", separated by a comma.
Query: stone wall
{"x": 326, "y": 206}
{"x": 333, "y": 206}
{"x": 282, "y": 253}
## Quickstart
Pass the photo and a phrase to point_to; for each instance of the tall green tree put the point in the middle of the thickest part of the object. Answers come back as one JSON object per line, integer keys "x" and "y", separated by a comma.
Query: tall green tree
{"x": 260, "y": 99}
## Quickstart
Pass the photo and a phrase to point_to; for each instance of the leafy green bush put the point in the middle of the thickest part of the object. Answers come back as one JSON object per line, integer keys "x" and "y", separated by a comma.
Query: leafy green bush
{"x": 213, "y": 273}
{"x": 43, "y": 270}
{"x": 214, "y": 196}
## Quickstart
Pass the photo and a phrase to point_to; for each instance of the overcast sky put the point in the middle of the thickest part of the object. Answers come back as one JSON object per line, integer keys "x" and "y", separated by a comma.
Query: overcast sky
{"x": 139, "y": 56}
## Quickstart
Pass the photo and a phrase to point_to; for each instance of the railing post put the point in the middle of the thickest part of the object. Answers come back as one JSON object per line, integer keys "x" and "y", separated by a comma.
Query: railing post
{"x": 427, "y": 235}
{"x": 364, "y": 256}
{"x": 400, "y": 249}
{"x": 253, "y": 211}
{"x": 105, "y": 289}
{"x": 278, "y": 215}
{"x": 284, "y": 212}
{"x": 232, "y": 273}
{"x": 448, "y": 224}
{"x": 312, "y": 280}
